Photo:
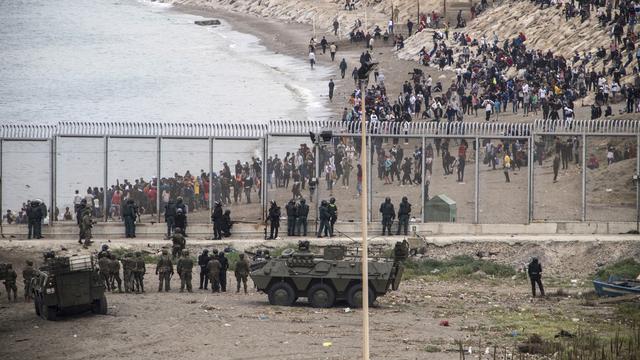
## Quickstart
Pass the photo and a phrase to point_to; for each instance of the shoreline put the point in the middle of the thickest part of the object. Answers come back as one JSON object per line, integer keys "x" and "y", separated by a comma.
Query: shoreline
{"x": 285, "y": 38}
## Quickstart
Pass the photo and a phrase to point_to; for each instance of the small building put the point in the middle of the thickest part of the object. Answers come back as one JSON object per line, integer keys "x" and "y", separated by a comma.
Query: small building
{"x": 441, "y": 208}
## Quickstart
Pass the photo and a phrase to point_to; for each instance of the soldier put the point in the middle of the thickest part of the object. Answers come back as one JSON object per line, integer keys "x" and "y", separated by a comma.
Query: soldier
{"x": 170, "y": 217}
{"x": 333, "y": 213}
{"x": 86, "y": 223}
{"x": 241, "y": 272}
{"x": 213, "y": 269}
{"x": 227, "y": 224}
{"x": 79, "y": 211}
{"x": 104, "y": 251}
{"x": 303, "y": 212}
{"x": 203, "y": 260}
{"x": 129, "y": 214}
{"x": 138, "y": 272}
{"x": 535, "y": 275}
{"x": 27, "y": 274}
{"x": 216, "y": 218}
{"x": 185, "y": 270}
{"x": 103, "y": 264}
{"x": 127, "y": 272}
{"x": 324, "y": 219}
{"x": 10, "y": 283}
{"x": 274, "y": 219}
{"x": 164, "y": 270}
{"x": 179, "y": 243}
{"x": 388, "y": 214}
{"x": 291, "y": 217}
{"x": 404, "y": 212}
{"x": 224, "y": 266}
{"x": 114, "y": 274}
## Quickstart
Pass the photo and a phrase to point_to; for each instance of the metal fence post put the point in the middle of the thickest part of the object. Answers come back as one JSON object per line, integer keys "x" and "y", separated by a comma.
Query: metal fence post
{"x": 53, "y": 174}
{"x": 211, "y": 140}
{"x": 584, "y": 177}
{"x": 637, "y": 182}
{"x": 1, "y": 178}
{"x": 476, "y": 210}
{"x": 317, "y": 176}
{"x": 530, "y": 180}
{"x": 423, "y": 176}
{"x": 158, "y": 195}
{"x": 369, "y": 179}
{"x": 106, "y": 173}
{"x": 263, "y": 183}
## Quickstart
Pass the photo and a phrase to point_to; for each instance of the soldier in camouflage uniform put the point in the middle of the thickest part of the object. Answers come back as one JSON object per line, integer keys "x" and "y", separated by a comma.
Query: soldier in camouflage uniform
{"x": 128, "y": 265}
{"x": 104, "y": 264}
{"x": 179, "y": 243}
{"x": 185, "y": 270}
{"x": 10, "y": 283}
{"x": 242, "y": 272}
{"x": 164, "y": 270}
{"x": 114, "y": 274}
{"x": 213, "y": 268}
{"x": 138, "y": 272}
{"x": 27, "y": 274}
{"x": 86, "y": 223}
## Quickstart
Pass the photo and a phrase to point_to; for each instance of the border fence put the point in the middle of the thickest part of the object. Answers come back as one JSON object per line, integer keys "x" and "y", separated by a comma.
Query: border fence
{"x": 51, "y": 161}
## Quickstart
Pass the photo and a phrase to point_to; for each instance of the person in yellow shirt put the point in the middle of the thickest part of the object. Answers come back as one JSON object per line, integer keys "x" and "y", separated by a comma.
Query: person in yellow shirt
{"x": 506, "y": 166}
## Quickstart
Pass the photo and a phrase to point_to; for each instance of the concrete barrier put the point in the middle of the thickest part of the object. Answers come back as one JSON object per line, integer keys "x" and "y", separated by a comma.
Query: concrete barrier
{"x": 64, "y": 230}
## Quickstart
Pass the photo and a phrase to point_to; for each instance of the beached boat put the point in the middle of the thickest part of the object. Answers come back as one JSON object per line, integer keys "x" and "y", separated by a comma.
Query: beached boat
{"x": 616, "y": 286}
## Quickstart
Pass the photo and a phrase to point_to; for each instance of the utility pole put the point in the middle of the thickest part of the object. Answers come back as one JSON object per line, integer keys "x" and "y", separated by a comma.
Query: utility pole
{"x": 363, "y": 220}
{"x": 444, "y": 12}
{"x": 418, "y": 22}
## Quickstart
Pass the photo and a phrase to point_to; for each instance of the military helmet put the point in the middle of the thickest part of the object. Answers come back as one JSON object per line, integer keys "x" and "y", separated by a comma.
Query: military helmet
{"x": 332, "y": 200}
{"x": 105, "y": 247}
{"x": 387, "y": 199}
{"x": 205, "y": 251}
{"x": 404, "y": 198}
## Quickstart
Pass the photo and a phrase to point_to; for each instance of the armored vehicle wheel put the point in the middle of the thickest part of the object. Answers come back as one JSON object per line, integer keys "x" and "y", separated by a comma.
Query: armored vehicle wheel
{"x": 99, "y": 306}
{"x": 281, "y": 294}
{"x": 49, "y": 312}
{"x": 321, "y": 296}
{"x": 354, "y": 296}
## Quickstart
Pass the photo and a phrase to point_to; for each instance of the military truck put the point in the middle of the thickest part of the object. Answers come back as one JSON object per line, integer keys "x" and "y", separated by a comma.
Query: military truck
{"x": 69, "y": 284}
{"x": 323, "y": 280}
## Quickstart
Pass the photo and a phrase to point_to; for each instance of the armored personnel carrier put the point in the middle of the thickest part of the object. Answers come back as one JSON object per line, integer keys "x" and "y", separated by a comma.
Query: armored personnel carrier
{"x": 335, "y": 275}
{"x": 67, "y": 284}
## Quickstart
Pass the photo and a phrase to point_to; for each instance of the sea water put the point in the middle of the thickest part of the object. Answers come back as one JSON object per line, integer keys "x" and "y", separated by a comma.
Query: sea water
{"x": 134, "y": 61}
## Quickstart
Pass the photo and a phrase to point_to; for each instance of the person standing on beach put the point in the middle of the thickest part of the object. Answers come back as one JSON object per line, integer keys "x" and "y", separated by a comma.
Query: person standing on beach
{"x": 343, "y": 67}
{"x": 331, "y": 86}
{"x": 312, "y": 58}
{"x": 332, "y": 49}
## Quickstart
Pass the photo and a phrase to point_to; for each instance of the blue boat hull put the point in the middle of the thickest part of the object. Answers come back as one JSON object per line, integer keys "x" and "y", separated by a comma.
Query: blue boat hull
{"x": 619, "y": 288}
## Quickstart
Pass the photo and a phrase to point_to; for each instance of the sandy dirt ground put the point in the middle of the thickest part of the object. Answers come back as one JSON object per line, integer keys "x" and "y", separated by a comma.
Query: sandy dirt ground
{"x": 482, "y": 312}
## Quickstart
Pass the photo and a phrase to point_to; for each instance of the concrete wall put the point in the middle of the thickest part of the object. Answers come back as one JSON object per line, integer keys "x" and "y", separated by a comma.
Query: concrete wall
{"x": 158, "y": 230}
